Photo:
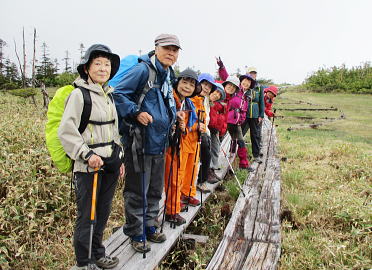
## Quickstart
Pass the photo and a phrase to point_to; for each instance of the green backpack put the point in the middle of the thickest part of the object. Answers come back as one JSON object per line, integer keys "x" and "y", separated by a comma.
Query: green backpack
{"x": 55, "y": 111}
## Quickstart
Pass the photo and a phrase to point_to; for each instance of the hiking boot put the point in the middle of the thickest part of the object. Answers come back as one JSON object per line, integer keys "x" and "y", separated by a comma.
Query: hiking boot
{"x": 154, "y": 236}
{"x": 137, "y": 244}
{"x": 86, "y": 267}
{"x": 176, "y": 219}
{"x": 183, "y": 207}
{"x": 190, "y": 200}
{"x": 203, "y": 188}
{"x": 107, "y": 262}
{"x": 212, "y": 177}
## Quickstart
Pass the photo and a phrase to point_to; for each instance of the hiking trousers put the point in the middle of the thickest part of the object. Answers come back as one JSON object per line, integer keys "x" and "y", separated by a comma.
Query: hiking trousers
{"x": 83, "y": 183}
{"x": 205, "y": 157}
{"x": 255, "y": 130}
{"x": 173, "y": 178}
{"x": 215, "y": 149}
{"x": 133, "y": 197}
{"x": 235, "y": 132}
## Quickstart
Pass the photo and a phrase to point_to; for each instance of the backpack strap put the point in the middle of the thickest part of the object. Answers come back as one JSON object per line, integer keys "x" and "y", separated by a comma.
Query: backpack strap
{"x": 87, "y": 109}
{"x": 150, "y": 84}
{"x": 137, "y": 145}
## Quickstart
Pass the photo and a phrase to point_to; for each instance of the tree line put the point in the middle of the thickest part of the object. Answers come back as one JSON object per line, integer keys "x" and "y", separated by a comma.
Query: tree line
{"x": 44, "y": 70}
{"x": 357, "y": 79}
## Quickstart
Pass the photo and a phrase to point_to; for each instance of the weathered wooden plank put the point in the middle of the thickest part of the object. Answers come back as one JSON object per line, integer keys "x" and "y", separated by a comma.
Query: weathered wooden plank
{"x": 252, "y": 237}
{"x": 261, "y": 257}
{"x": 308, "y": 109}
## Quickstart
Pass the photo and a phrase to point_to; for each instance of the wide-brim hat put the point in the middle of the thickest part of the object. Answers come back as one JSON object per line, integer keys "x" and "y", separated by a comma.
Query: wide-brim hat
{"x": 97, "y": 49}
{"x": 273, "y": 89}
{"x": 251, "y": 69}
{"x": 207, "y": 77}
{"x": 249, "y": 77}
{"x": 232, "y": 79}
{"x": 189, "y": 73}
{"x": 219, "y": 88}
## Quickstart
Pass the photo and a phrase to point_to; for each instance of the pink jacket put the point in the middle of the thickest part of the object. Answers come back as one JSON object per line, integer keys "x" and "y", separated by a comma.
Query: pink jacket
{"x": 222, "y": 72}
{"x": 237, "y": 108}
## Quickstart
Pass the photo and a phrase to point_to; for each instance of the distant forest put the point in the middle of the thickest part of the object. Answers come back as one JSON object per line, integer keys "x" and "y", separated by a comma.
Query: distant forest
{"x": 341, "y": 79}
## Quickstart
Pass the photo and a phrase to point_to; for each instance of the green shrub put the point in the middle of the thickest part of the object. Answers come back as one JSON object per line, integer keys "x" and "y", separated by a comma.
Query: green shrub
{"x": 25, "y": 93}
{"x": 10, "y": 85}
{"x": 65, "y": 78}
{"x": 340, "y": 79}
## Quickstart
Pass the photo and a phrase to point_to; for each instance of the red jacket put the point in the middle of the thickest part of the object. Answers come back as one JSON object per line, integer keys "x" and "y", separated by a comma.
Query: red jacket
{"x": 268, "y": 106}
{"x": 218, "y": 117}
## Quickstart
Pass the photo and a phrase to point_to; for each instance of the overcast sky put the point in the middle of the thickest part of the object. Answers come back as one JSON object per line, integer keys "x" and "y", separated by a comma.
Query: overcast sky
{"x": 285, "y": 39}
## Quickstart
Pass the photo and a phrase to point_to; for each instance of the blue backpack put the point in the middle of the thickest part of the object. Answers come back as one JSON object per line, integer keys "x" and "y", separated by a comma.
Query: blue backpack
{"x": 126, "y": 64}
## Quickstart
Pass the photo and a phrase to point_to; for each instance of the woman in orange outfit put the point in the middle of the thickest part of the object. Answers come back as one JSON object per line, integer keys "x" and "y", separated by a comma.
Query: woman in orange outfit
{"x": 177, "y": 154}
{"x": 195, "y": 142}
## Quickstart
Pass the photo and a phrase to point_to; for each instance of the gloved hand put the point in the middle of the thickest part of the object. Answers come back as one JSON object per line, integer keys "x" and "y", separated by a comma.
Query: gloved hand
{"x": 219, "y": 62}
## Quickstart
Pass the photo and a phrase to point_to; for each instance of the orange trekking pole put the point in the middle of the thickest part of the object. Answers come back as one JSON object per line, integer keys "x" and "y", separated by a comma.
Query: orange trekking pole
{"x": 93, "y": 213}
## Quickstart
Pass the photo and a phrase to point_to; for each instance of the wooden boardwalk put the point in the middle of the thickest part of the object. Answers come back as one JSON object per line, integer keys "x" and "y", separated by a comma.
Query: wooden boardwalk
{"x": 252, "y": 237}
{"x": 119, "y": 244}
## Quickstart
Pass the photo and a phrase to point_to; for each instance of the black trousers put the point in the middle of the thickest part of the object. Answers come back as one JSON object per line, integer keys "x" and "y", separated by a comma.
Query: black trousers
{"x": 253, "y": 125}
{"x": 153, "y": 179}
{"x": 105, "y": 192}
{"x": 205, "y": 158}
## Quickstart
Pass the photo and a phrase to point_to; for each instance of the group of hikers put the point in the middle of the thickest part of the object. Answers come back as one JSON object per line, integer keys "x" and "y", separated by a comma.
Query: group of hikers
{"x": 165, "y": 124}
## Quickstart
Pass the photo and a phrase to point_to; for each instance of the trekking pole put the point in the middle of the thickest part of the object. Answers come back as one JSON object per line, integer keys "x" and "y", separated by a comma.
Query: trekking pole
{"x": 178, "y": 161}
{"x": 93, "y": 213}
{"x": 170, "y": 176}
{"x": 143, "y": 195}
{"x": 231, "y": 168}
{"x": 196, "y": 155}
{"x": 268, "y": 146}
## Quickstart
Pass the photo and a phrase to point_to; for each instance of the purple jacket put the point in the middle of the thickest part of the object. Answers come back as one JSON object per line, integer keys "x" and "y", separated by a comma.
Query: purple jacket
{"x": 237, "y": 108}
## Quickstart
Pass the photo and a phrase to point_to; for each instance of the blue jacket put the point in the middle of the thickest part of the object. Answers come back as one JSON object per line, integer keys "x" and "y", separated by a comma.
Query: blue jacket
{"x": 162, "y": 109}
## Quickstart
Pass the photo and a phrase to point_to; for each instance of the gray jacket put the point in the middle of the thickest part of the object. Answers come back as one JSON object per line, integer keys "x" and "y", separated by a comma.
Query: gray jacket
{"x": 76, "y": 145}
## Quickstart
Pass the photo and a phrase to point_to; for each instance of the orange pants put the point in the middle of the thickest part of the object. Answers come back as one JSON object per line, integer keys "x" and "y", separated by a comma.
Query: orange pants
{"x": 188, "y": 165}
{"x": 173, "y": 205}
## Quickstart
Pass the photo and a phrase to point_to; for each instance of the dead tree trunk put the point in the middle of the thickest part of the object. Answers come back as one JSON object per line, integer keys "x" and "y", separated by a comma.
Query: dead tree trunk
{"x": 19, "y": 62}
{"x": 45, "y": 96}
{"x": 33, "y": 60}
{"x": 24, "y": 59}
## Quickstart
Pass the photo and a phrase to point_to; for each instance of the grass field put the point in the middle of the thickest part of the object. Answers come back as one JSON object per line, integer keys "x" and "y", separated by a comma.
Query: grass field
{"x": 326, "y": 191}
{"x": 326, "y": 184}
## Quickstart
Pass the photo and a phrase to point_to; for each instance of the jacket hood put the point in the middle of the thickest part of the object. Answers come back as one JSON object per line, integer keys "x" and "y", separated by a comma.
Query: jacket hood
{"x": 94, "y": 87}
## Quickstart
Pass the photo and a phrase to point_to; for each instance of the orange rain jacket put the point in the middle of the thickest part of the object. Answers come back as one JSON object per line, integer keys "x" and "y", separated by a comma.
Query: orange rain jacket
{"x": 191, "y": 152}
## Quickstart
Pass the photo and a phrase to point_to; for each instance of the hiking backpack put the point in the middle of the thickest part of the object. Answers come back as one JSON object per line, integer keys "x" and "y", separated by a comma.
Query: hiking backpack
{"x": 55, "y": 112}
{"x": 57, "y": 106}
{"x": 126, "y": 64}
